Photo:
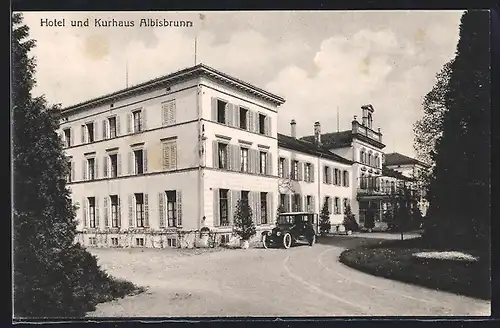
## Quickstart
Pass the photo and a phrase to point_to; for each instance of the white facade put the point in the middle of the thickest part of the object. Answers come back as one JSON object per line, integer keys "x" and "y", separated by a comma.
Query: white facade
{"x": 153, "y": 164}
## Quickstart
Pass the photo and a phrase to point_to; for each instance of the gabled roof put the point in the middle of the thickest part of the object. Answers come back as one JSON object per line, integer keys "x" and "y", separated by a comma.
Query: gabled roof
{"x": 190, "y": 72}
{"x": 310, "y": 148}
{"x": 400, "y": 159}
{"x": 334, "y": 139}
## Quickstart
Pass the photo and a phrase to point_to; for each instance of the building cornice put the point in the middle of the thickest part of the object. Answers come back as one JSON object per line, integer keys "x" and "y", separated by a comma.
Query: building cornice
{"x": 177, "y": 77}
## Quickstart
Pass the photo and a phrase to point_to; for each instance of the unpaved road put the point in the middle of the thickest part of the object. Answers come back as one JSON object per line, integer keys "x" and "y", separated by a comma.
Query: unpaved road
{"x": 301, "y": 281}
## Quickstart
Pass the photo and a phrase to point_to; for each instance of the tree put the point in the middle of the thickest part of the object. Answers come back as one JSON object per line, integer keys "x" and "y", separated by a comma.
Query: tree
{"x": 459, "y": 189}
{"x": 52, "y": 275}
{"x": 350, "y": 222}
{"x": 324, "y": 219}
{"x": 244, "y": 226}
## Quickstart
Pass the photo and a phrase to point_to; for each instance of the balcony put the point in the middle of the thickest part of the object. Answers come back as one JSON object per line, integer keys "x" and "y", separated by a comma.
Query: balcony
{"x": 358, "y": 128}
{"x": 372, "y": 186}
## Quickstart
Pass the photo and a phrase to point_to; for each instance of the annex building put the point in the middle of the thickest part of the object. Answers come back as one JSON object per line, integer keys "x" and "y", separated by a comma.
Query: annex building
{"x": 154, "y": 163}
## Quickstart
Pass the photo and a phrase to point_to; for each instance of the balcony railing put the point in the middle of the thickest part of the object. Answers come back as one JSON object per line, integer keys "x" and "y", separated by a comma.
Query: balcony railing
{"x": 373, "y": 186}
{"x": 366, "y": 131}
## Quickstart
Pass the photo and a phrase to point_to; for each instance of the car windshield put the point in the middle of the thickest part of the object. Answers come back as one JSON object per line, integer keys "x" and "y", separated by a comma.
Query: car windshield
{"x": 291, "y": 219}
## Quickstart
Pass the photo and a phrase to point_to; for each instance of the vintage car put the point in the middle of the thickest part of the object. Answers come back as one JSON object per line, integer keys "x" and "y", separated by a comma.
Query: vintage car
{"x": 292, "y": 228}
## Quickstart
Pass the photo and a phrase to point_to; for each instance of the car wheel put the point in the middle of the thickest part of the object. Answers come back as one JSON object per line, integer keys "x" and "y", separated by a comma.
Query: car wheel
{"x": 265, "y": 242}
{"x": 287, "y": 240}
{"x": 312, "y": 240}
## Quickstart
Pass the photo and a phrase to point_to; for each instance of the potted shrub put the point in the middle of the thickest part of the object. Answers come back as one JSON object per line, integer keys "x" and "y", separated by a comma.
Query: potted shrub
{"x": 324, "y": 220}
{"x": 350, "y": 222}
{"x": 204, "y": 233}
{"x": 244, "y": 226}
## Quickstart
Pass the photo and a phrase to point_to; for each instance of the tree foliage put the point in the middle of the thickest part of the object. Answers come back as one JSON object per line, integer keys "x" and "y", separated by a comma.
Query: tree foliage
{"x": 324, "y": 219}
{"x": 459, "y": 189}
{"x": 53, "y": 277}
{"x": 350, "y": 222}
{"x": 244, "y": 227}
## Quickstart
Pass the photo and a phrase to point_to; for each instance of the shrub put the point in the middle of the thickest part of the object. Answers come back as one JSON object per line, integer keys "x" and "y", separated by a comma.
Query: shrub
{"x": 244, "y": 226}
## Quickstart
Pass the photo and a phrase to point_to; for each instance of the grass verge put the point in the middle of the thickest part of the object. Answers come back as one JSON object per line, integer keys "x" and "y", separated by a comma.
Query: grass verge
{"x": 393, "y": 259}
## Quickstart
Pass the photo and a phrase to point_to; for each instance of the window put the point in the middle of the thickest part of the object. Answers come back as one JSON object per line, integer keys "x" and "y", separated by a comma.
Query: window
{"x": 307, "y": 172}
{"x": 346, "y": 204}
{"x": 92, "y": 241}
{"x": 336, "y": 175}
{"x": 139, "y": 161}
{"x": 370, "y": 159}
{"x": 114, "y": 211}
{"x": 296, "y": 202}
{"x": 69, "y": 177}
{"x": 223, "y": 156}
{"x": 326, "y": 175}
{"x": 92, "y": 220}
{"x": 337, "y": 205}
{"x": 90, "y": 132}
{"x": 221, "y": 111}
{"x": 91, "y": 168}
{"x": 263, "y": 162}
{"x": 295, "y": 170}
{"x": 345, "y": 179}
{"x": 362, "y": 156}
{"x": 283, "y": 202}
{"x": 244, "y": 160}
{"x": 112, "y": 127}
{"x": 172, "y": 208}
{"x": 139, "y": 242}
{"x": 243, "y": 118}
{"x": 309, "y": 205}
{"x": 262, "y": 124}
{"x": 263, "y": 207}
{"x": 137, "y": 117}
{"x": 67, "y": 137}
{"x": 244, "y": 195}
{"x": 113, "y": 160}
{"x": 328, "y": 201}
{"x": 171, "y": 242}
{"x": 224, "y": 210}
{"x": 281, "y": 167}
{"x": 114, "y": 241}
{"x": 139, "y": 210}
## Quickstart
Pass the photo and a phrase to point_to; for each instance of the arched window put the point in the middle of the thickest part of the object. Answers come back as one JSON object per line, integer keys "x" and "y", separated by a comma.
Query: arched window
{"x": 362, "y": 156}
{"x": 370, "y": 158}
{"x": 377, "y": 161}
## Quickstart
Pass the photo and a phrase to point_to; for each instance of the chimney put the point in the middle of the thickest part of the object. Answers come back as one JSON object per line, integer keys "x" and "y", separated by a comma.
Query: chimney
{"x": 317, "y": 133}
{"x": 293, "y": 127}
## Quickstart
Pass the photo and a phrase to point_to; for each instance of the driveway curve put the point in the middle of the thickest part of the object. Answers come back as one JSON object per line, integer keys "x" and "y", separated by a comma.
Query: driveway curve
{"x": 301, "y": 281}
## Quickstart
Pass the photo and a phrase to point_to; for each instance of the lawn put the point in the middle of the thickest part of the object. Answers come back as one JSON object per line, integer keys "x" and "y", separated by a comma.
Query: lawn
{"x": 394, "y": 260}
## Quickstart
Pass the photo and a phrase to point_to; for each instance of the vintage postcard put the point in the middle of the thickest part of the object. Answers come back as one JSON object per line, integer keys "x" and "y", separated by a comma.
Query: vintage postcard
{"x": 250, "y": 164}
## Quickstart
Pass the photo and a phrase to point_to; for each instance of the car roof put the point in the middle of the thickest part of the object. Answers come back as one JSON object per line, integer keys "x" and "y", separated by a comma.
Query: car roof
{"x": 295, "y": 213}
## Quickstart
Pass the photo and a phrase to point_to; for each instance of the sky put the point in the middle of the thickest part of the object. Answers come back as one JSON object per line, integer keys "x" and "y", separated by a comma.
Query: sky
{"x": 321, "y": 62}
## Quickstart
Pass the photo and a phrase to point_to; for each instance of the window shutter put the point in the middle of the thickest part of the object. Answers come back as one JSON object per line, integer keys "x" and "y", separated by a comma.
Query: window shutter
{"x": 146, "y": 211}
{"x": 269, "y": 164}
{"x": 166, "y": 156}
{"x": 117, "y": 125}
{"x": 130, "y": 211}
{"x": 105, "y": 165}
{"x": 330, "y": 205}
{"x": 287, "y": 203}
{"x": 145, "y": 160}
{"x": 229, "y": 207}
{"x": 84, "y": 212}
{"x": 72, "y": 174}
{"x": 97, "y": 225}
{"x": 251, "y": 161}
{"x": 70, "y": 137}
{"x": 215, "y": 154}
{"x": 311, "y": 172}
{"x": 119, "y": 214}
{"x": 83, "y": 134}
{"x": 104, "y": 130}
{"x": 84, "y": 170}
{"x": 235, "y": 196}
{"x": 313, "y": 205}
{"x": 173, "y": 155}
{"x": 129, "y": 122}
{"x": 94, "y": 132}
{"x": 256, "y": 125}
{"x": 330, "y": 174}
{"x": 347, "y": 178}
{"x": 173, "y": 112}
{"x": 179, "y": 208}
{"x": 106, "y": 212}
{"x": 270, "y": 209}
{"x": 236, "y": 153}
{"x": 214, "y": 109}
{"x": 216, "y": 219}
{"x": 130, "y": 163}
{"x": 286, "y": 170}
{"x": 251, "y": 205}
{"x": 266, "y": 126}
{"x": 96, "y": 167}
{"x": 248, "y": 116}
{"x": 236, "y": 110}
{"x": 305, "y": 204}
{"x": 269, "y": 126}
{"x": 229, "y": 114}
{"x": 258, "y": 220}
{"x": 165, "y": 113}
{"x": 324, "y": 175}
{"x": 143, "y": 114}
{"x": 161, "y": 209}
{"x": 300, "y": 165}
{"x": 250, "y": 121}
{"x": 118, "y": 164}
